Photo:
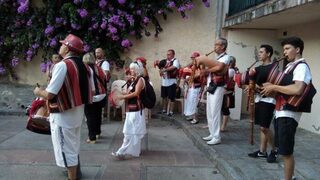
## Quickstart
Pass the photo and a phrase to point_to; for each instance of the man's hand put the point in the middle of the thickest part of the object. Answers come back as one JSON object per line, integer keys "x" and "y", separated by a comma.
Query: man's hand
{"x": 161, "y": 71}
{"x": 120, "y": 97}
{"x": 267, "y": 89}
{"x": 37, "y": 91}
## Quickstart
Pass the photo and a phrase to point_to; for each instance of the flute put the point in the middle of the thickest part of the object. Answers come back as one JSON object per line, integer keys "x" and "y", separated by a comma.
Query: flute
{"x": 281, "y": 59}
{"x": 210, "y": 52}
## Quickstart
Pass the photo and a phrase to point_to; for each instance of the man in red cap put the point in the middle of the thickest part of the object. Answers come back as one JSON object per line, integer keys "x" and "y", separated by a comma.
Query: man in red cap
{"x": 67, "y": 93}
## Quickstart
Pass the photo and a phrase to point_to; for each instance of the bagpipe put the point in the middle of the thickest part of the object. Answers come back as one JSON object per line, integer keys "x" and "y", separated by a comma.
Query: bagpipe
{"x": 300, "y": 103}
{"x": 203, "y": 77}
{"x": 243, "y": 78}
{"x": 160, "y": 63}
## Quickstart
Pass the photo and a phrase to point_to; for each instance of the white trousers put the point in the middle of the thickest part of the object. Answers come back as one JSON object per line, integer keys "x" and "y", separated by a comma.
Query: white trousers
{"x": 131, "y": 145}
{"x": 214, "y": 104}
{"x": 66, "y": 145}
{"x": 190, "y": 105}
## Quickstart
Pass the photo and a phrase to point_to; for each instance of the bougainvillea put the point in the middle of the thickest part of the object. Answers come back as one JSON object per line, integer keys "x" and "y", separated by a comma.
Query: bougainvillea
{"x": 25, "y": 28}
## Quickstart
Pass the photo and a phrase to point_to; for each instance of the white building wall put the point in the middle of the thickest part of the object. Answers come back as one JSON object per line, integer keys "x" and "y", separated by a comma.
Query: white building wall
{"x": 242, "y": 44}
{"x": 197, "y": 33}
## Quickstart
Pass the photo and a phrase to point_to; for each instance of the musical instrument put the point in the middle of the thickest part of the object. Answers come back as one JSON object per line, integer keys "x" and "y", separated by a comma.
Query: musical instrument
{"x": 160, "y": 64}
{"x": 275, "y": 76}
{"x": 251, "y": 108}
{"x": 300, "y": 103}
{"x": 116, "y": 90}
{"x": 203, "y": 84}
{"x": 210, "y": 52}
{"x": 38, "y": 121}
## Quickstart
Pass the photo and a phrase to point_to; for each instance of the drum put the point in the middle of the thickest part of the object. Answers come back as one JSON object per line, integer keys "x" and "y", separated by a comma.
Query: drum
{"x": 117, "y": 88}
{"x": 38, "y": 124}
{"x": 38, "y": 121}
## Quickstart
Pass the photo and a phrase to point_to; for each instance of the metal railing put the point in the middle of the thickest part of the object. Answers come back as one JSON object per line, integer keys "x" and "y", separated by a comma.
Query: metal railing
{"x": 236, "y": 6}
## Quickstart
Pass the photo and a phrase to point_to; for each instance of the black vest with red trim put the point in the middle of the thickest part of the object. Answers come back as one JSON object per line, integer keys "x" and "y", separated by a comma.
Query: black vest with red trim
{"x": 99, "y": 79}
{"x": 174, "y": 73}
{"x": 108, "y": 75}
{"x": 133, "y": 104}
{"x": 75, "y": 89}
{"x": 301, "y": 103}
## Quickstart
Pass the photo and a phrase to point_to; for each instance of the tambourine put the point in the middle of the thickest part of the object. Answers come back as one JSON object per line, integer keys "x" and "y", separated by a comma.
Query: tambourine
{"x": 116, "y": 91}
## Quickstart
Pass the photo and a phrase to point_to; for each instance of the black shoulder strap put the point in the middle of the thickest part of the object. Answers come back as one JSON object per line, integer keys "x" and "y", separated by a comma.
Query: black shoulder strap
{"x": 100, "y": 63}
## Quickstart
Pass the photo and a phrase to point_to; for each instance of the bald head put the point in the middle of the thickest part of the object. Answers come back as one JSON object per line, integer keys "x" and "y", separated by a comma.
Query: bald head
{"x": 100, "y": 54}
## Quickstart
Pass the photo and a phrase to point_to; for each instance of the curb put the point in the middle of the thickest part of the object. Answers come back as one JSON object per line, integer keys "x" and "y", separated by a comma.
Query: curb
{"x": 225, "y": 168}
{"x": 12, "y": 113}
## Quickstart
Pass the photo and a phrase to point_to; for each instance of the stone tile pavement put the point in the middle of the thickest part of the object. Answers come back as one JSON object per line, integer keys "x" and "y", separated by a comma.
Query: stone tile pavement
{"x": 231, "y": 155}
{"x": 167, "y": 154}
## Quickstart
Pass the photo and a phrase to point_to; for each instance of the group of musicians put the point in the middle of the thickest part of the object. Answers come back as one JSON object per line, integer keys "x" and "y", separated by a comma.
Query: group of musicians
{"x": 215, "y": 75}
{"x": 271, "y": 103}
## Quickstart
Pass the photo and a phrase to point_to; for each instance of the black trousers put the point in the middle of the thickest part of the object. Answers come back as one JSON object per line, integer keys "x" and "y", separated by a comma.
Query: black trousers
{"x": 93, "y": 114}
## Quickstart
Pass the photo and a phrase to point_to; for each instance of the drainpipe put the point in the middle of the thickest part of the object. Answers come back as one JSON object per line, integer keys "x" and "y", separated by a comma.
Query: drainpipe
{"x": 219, "y": 18}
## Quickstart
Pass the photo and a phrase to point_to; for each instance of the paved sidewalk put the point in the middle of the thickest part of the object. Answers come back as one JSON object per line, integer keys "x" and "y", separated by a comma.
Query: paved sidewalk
{"x": 167, "y": 154}
{"x": 231, "y": 155}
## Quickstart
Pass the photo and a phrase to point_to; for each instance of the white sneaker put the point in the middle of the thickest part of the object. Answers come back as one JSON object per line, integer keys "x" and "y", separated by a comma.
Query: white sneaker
{"x": 208, "y": 138}
{"x": 214, "y": 141}
{"x": 118, "y": 156}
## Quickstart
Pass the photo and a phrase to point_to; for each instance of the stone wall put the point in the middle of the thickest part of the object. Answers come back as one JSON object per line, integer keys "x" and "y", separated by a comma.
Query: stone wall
{"x": 15, "y": 98}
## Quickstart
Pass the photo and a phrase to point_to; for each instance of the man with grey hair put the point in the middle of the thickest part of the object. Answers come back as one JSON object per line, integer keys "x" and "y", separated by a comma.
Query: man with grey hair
{"x": 214, "y": 98}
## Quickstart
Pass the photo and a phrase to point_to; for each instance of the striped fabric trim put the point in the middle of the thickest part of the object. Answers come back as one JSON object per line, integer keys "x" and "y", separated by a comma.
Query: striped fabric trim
{"x": 296, "y": 100}
{"x": 62, "y": 144}
{"x": 273, "y": 73}
{"x": 101, "y": 87}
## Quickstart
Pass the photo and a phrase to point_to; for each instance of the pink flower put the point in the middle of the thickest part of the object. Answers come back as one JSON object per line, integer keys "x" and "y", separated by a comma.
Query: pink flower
{"x": 86, "y": 48}
{"x": 125, "y": 43}
{"x": 43, "y": 67}
{"x": 102, "y": 4}
{"x": 121, "y": 1}
{"x": 171, "y": 4}
{"x": 82, "y": 12}
{"x": 2, "y": 69}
